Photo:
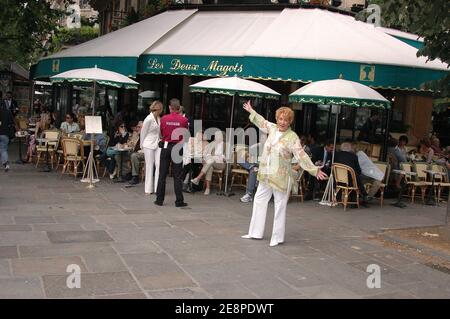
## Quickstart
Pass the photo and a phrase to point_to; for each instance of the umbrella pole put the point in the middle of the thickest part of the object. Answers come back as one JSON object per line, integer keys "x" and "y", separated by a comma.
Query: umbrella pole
{"x": 227, "y": 169}
{"x": 329, "y": 196}
{"x": 90, "y": 169}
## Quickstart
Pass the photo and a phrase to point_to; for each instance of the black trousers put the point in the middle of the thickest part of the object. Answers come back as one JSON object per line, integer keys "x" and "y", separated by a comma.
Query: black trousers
{"x": 177, "y": 172}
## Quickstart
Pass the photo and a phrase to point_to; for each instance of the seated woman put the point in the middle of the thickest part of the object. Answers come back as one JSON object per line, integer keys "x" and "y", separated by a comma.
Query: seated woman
{"x": 45, "y": 123}
{"x": 70, "y": 125}
{"x": 425, "y": 150}
{"x": 117, "y": 139}
{"x": 193, "y": 158}
{"x": 214, "y": 159}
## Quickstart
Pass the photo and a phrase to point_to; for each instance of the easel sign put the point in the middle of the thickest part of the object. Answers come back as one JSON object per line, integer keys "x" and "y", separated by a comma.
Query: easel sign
{"x": 93, "y": 124}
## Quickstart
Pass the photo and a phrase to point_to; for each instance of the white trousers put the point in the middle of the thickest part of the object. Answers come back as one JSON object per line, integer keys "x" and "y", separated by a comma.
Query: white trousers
{"x": 151, "y": 160}
{"x": 260, "y": 202}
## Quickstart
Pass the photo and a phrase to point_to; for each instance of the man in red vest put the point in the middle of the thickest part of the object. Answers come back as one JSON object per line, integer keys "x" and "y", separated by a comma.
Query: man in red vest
{"x": 169, "y": 123}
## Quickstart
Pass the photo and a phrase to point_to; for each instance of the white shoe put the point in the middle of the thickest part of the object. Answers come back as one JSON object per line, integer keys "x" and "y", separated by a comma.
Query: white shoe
{"x": 246, "y": 237}
{"x": 246, "y": 198}
{"x": 195, "y": 181}
{"x": 274, "y": 243}
{"x": 207, "y": 191}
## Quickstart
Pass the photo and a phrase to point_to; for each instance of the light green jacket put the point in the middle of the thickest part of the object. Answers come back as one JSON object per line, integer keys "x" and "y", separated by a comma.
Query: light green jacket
{"x": 276, "y": 160}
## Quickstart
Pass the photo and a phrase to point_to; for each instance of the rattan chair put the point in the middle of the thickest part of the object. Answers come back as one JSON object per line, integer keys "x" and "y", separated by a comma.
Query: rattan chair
{"x": 51, "y": 146}
{"x": 73, "y": 155}
{"x": 419, "y": 182}
{"x": 237, "y": 172}
{"x": 346, "y": 184}
{"x": 385, "y": 169}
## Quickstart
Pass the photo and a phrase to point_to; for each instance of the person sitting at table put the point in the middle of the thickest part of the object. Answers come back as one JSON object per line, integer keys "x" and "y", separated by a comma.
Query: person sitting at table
{"x": 347, "y": 157}
{"x": 193, "y": 152}
{"x": 45, "y": 123}
{"x": 137, "y": 156}
{"x": 320, "y": 156}
{"x": 425, "y": 151}
{"x": 214, "y": 159}
{"x": 370, "y": 173}
{"x": 252, "y": 167}
{"x": 117, "y": 139}
{"x": 70, "y": 125}
{"x": 132, "y": 142}
{"x": 436, "y": 145}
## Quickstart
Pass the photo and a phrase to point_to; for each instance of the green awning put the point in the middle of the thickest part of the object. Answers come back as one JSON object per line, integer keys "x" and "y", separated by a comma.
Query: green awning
{"x": 296, "y": 70}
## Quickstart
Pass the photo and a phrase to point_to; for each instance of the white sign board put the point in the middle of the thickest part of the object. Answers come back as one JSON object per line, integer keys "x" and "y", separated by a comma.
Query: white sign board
{"x": 93, "y": 124}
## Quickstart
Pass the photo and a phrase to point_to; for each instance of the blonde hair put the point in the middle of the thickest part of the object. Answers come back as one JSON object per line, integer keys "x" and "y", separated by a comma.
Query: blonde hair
{"x": 155, "y": 106}
{"x": 285, "y": 111}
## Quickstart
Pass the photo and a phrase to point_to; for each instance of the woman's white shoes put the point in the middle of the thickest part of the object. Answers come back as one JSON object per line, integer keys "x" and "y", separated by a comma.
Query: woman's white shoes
{"x": 273, "y": 243}
{"x": 195, "y": 181}
{"x": 246, "y": 237}
{"x": 207, "y": 191}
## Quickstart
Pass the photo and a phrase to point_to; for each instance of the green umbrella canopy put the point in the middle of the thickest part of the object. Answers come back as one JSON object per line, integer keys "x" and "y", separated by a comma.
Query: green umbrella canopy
{"x": 234, "y": 85}
{"x": 339, "y": 92}
{"x": 100, "y": 76}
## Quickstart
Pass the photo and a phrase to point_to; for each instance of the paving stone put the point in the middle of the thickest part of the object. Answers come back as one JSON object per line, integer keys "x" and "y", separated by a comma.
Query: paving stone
{"x": 390, "y": 258}
{"x": 99, "y": 284}
{"x": 207, "y": 256}
{"x": 78, "y": 236}
{"x": 123, "y": 296}
{"x": 327, "y": 292}
{"x": 157, "y": 271}
{"x": 139, "y": 247}
{"x": 182, "y": 293}
{"x": 21, "y": 288}
{"x": 393, "y": 295}
{"x": 8, "y": 238}
{"x": 43, "y": 266}
{"x": 56, "y": 227}
{"x": 109, "y": 262}
{"x": 231, "y": 290}
{"x": 8, "y": 252}
{"x": 15, "y": 228}
{"x": 34, "y": 220}
{"x": 270, "y": 288}
{"x": 73, "y": 249}
{"x": 6, "y": 220}
{"x": 4, "y": 268}
{"x": 137, "y": 235}
{"x": 427, "y": 291}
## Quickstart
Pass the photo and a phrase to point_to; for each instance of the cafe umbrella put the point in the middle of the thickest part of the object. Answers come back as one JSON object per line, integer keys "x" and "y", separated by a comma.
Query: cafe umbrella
{"x": 338, "y": 92}
{"x": 233, "y": 86}
{"x": 95, "y": 76}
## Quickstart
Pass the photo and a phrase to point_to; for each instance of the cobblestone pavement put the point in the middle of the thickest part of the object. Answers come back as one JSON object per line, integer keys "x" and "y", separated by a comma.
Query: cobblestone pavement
{"x": 127, "y": 247}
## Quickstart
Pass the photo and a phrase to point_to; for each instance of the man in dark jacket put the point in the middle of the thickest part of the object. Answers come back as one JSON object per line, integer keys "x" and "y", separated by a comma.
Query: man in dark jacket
{"x": 6, "y": 122}
{"x": 321, "y": 156}
{"x": 347, "y": 157}
{"x": 11, "y": 104}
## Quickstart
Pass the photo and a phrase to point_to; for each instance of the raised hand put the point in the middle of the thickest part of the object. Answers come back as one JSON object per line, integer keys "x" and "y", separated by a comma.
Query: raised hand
{"x": 248, "y": 106}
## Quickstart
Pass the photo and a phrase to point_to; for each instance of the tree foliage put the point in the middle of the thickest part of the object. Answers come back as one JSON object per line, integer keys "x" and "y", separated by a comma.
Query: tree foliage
{"x": 25, "y": 27}
{"x": 428, "y": 19}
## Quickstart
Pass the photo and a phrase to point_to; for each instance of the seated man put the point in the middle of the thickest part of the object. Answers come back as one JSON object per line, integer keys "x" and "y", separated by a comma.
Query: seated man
{"x": 134, "y": 145}
{"x": 370, "y": 173}
{"x": 321, "y": 156}
{"x": 251, "y": 165}
{"x": 347, "y": 157}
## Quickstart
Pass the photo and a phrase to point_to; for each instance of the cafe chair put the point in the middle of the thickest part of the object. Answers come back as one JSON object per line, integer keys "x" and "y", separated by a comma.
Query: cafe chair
{"x": 346, "y": 184}
{"x": 73, "y": 156}
{"x": 41, "y": 148}
{"x": 297, "y": 190}
{"x": 419, "y": 182}
{"x": 237, "y": 172}
{"x": 440, "y": 181}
